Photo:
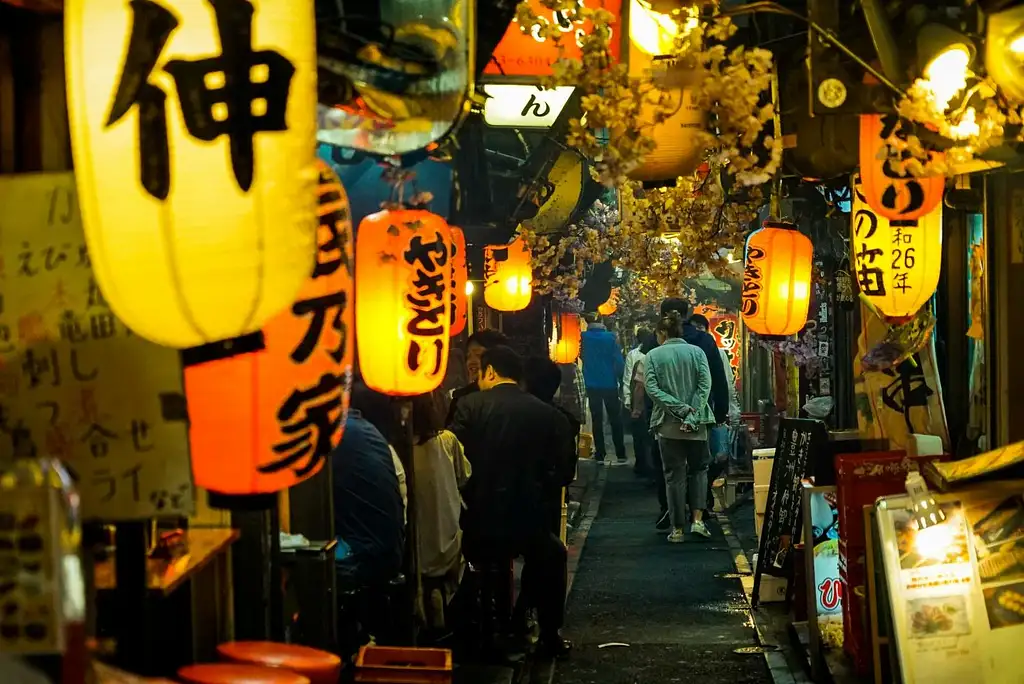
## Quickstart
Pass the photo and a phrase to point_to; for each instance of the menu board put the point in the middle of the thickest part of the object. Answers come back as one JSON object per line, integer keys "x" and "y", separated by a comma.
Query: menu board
{"x": 957, "y": 588}
{"x": 75, "y": 382}
{"x": 799, "y": 441}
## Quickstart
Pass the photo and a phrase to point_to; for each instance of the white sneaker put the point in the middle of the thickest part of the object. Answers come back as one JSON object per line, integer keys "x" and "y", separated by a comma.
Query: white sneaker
{"x": 677, "y": 536}
{"x": 700, "y": 528}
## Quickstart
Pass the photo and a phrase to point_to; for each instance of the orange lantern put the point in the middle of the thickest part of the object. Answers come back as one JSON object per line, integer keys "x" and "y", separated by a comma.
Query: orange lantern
{"x": 460, "y": 275}
{"x": 403, "y": 303}
{"x": 265, "y": 410}
{"x": 777, "y": 279}
{"x": 612, "y": 305}
{"x": 565, "y": 338}
{"x": 508, "y": 276}
{"x": 893, "y": 194}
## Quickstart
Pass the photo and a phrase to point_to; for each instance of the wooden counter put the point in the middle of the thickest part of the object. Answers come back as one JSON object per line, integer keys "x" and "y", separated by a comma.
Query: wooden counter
{"x": 165, "y": 576}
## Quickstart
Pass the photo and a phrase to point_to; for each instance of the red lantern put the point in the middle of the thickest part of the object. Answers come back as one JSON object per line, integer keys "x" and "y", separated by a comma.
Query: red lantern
{"x": 565, "y": 338}
{"x": 403, "y": 303}
{"x": 777, "y": 280}
{"x": 460, "y": 276}
{"x": 265, "y": 420}
{"x": 610, "y": 306}
{"x": 508, "y": 276}
{"x": 894, "y": 194}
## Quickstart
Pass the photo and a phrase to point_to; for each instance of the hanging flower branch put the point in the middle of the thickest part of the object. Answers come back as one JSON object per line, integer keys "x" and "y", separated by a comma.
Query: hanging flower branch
{"x": 560, "y": 261}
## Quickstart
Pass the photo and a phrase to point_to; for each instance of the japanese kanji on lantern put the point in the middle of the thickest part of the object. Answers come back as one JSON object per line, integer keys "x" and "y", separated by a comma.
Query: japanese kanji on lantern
{"x": 193, "y": 133}
{"x": 611, "y": 305}
{"x": 565, "y": 337}
{"x": 403, "y": 303}
{"x": 777, "y": 279}
{"x": 265, "y": 420}
{"x": 893, "y": 193}
{"x": 897, "y": 263}
{"x": 460, "y": 275}
{"x": 508, "y": 276}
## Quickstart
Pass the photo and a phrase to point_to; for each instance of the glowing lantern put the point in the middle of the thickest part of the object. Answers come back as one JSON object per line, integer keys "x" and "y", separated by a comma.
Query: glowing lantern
{"x": 612, "y": 305}
{"x": 777, "y": 280}
{"x": 679, "y": 141}
{"x": 265, "y": 420}
{"x": 892, "y": 194}
{"x": 460, "y": 282}
{"x": 194, "y": 159}
{"x": 897, "y": 263}
{"x": 403, "y": 303}
{"x": 508, "y": 276}
{"x": 565, "y": 338}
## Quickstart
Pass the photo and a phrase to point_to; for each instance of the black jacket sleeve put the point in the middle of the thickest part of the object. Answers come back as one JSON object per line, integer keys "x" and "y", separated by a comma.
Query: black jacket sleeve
{"x": 719, "y": 382}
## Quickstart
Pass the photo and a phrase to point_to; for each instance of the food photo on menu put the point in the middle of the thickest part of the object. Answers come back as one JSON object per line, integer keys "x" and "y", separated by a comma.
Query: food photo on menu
{"x": 943, "y": 544}
{"x": 938, "y": 616}
{"x": 1005, "y": 605}
{"x": 998, "y": 526}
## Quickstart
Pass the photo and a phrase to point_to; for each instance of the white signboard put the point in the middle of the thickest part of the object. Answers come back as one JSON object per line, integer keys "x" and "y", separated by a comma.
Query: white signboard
{"x": 524, "y": 106}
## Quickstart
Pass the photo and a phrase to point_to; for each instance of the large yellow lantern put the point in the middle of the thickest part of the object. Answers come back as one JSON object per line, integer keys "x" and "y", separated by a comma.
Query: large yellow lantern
{"x": 777, "y": 280}
{"x": 508, "y": 276}
{"x": 897, "y": 263}
{"x": 193, "y": 133}
{"x": 565, "y": 338}
{"x": 679, "y": 140}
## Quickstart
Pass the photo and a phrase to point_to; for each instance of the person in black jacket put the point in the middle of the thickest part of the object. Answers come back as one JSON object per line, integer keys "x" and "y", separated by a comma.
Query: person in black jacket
{"x": 478, "y": 343}
{"x": 514, "y": 442}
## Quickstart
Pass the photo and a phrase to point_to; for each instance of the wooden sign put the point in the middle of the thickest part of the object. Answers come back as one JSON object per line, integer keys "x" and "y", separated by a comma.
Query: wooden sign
{"x": 799, "y": 441}
{"x": 75, "y": 383}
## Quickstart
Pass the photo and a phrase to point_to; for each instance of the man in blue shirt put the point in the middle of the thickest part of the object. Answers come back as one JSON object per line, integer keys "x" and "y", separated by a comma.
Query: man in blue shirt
{"x": 602, "y": 369}
{"x": 368, "y": 511}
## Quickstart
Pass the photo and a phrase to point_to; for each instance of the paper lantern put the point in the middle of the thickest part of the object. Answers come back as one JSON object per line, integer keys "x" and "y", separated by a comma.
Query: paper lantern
{"x": 892, "y": 194}
{"x": 897, "y": 263}
{"x": 679, "y": 141}
{"x": 265, "y": 420}
{"x": 610, "y": 306}
{"x": 508, "y": 276}
{"x": 777, "y": 279}
{"x": 460, "y": 277}
{"x": 403, "y": 303}
{"x": 565, "y": 337}
{"x": 193, "y": 133}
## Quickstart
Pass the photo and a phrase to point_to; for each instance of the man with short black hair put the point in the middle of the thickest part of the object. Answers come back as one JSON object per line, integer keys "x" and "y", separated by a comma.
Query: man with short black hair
{"x": 514, "y": 442}
{"x": 478, "y": 343}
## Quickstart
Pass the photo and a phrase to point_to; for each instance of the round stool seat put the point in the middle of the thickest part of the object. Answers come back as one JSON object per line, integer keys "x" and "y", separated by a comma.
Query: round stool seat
{"x": 231, "y": 673}
{"x": 319, "y": 666}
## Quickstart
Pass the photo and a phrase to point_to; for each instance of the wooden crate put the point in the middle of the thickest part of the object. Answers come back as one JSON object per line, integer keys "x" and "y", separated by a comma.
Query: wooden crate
{"x": 388, "y": 665}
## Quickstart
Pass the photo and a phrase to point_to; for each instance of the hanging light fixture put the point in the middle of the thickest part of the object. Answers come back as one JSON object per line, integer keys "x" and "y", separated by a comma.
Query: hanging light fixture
{"x": 945, "y": 56}
{"x": 777, "y": 279}
{"x": 508, "y": 276}
{"x": 565, "y": 337}
{"x": 927, "y": 513}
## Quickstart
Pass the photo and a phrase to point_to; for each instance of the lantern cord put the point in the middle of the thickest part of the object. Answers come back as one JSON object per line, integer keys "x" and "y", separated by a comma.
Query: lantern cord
{"x": 776, "y": 196}
{"x": 823, "y": 33}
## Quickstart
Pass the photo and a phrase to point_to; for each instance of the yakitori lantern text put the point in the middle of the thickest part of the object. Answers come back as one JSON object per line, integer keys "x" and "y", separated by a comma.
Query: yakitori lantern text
{"x": 265, "y": 420}
{"x": 891, "y": 192}
{"x": 508, "y": 276}
{"x": 610, "y": 306}
{"x": 565, "y": 338}
{"x": 460, "y": 276}
{"x": 193, "y": 133}
{"x": 403, "y": 303}
{"x": 897, "y": 263}
{"x": 777, "y": 280}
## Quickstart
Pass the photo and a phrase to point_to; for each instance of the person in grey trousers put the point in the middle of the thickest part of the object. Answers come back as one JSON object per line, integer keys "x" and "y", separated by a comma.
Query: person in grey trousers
{"x": 678, "y": 381}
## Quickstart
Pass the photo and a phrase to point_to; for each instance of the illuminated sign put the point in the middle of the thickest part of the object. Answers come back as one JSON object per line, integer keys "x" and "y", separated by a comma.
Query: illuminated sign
{"x": 524, "y": 106}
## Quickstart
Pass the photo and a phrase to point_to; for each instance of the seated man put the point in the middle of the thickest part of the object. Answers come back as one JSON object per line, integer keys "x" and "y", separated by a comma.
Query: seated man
{"x": 368, "y": 510}
{"x": 515, "y": 441}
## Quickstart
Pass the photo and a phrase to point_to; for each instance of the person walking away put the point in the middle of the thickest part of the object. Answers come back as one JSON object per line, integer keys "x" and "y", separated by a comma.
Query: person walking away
{"x": 678, "y": 380}
{"x": 719, "y": 400}
{"x": 603, "y": 366}
{"x": 514, "y": 440}
{"x": 633, "y": 374}
{"x": 476, "y": 345}
{"x": 441, "y": 472}
{"x": 643, "y": 406}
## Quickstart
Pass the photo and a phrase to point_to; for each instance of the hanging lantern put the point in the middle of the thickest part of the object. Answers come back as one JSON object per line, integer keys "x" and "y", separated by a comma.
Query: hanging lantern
{"x": 508, "y": 276}
{"x": 777, "y": 279}
{"x": 565, "y": 337}
{"x": 610, "y": 306}
{"x": 897, "y": 263}
{"x": 403, "y": 303}
{"x": 262, "y": 420}
{"x": 460, "y": 276}
{"x": 194, "y": 159}
{"x": 679, "y": 139}
{"x": 892, "y": 194}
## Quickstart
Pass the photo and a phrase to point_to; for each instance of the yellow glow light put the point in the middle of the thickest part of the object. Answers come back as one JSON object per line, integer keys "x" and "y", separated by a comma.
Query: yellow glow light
{"x": 1016, "y": 45}
{"x": 946, "y": 74}
{"x": 470, "y": 288}
{"x": 654, "y": 32}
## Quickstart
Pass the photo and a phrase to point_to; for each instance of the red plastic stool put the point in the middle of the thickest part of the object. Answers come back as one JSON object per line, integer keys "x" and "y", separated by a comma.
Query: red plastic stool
{"x": 230, "y": 673}
{"x": 319, "y": 666}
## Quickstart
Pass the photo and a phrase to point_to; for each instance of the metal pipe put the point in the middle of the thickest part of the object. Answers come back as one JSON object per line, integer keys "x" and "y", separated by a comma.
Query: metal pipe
{"x": 882, "y": 37}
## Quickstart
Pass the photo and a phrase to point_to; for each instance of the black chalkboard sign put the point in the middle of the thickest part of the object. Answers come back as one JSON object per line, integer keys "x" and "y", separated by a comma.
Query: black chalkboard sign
{"x": 800, "y": 442}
